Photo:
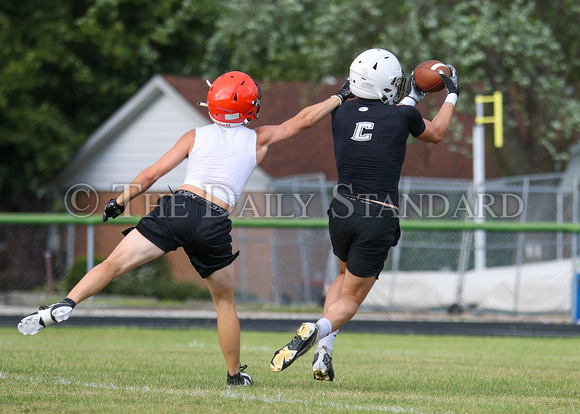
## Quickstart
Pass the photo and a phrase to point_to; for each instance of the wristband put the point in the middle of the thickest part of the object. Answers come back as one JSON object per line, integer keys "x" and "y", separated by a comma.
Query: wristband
{"x": 451, "y": 98}
{"x": 407, "y": 100}
{"x": 339, "y": 99}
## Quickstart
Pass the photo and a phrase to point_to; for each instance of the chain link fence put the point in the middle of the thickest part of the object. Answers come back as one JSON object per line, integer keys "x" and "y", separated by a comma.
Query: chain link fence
{"x": 496, "y": 271}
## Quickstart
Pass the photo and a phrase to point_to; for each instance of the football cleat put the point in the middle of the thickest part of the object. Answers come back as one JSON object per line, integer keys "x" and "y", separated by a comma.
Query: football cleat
{"x": 241, "y": 379}
{"x": 46, "y": 316}
{"x": 306, "y": 337}
{"x": 322, "y": 365}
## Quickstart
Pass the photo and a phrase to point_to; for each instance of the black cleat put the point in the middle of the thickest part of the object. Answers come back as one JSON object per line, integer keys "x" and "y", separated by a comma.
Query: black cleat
{"x": 306, "y": 337}
{"x": 241, "y": 379}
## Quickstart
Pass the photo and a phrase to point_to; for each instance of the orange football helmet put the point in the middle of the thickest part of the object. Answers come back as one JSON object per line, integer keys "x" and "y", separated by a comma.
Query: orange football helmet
{"x": 234, "y": 99}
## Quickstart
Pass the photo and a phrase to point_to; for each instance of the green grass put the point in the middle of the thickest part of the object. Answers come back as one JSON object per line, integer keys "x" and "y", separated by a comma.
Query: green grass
{"x": 115, "y": 370}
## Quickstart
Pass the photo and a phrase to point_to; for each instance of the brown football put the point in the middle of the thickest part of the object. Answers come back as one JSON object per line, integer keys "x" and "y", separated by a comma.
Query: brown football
{"x": 427, "y": 75}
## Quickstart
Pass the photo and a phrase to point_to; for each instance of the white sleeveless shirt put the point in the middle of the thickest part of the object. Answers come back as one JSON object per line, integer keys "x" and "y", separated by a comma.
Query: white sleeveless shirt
{"x": 222, "y": 160}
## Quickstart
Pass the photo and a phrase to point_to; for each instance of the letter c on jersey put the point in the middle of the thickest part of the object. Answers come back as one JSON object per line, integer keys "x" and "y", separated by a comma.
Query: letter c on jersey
{"x": 360, "y": 129}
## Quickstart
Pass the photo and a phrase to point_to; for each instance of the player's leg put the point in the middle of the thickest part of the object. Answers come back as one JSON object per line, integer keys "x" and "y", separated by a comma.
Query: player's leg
{"x": 134, "y": 250}
{"x": 335, "y": 288}
{"x": 333, "y": 294}
{"x": 354, "y": 291}
{"x": 374, "y": 234}
{"x": 322, "y": 363}
{"x": 308, "y": 334}
{"x": 221, "y": 286}
{"x": 209, "y": 249}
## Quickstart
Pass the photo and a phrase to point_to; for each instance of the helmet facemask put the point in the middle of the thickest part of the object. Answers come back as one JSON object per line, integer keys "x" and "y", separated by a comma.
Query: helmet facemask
{"x": 257, "y": 103}
{"x": 393, "y": 96}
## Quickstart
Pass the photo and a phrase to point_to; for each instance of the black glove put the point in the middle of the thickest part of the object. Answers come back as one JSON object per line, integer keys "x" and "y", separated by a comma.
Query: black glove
{"x": 112, "y": 210}
{"x": 451, "y": 82}
{"x": 344, "y": 93}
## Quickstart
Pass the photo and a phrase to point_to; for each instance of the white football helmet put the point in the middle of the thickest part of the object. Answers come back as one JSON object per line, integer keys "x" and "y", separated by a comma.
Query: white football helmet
{"x": 377, "y": 74}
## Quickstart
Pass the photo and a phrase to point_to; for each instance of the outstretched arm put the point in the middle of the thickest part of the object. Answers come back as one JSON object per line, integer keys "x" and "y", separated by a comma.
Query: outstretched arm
{"x": 146, "y": 178}
{"x": 435, "y": 130}
{"x": 306, "y": 118}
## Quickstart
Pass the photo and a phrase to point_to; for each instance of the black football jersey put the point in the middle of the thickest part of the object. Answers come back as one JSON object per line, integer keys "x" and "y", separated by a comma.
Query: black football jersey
{"x": 370, "y": 140}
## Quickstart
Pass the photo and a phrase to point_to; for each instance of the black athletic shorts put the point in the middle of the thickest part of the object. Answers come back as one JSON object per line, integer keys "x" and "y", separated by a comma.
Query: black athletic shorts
{"x": 362, "y": 232}
{"x": 199, "y": 226}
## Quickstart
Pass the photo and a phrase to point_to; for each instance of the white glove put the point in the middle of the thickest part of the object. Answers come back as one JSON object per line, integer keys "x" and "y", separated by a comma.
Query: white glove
{"x": 416, "y": 95}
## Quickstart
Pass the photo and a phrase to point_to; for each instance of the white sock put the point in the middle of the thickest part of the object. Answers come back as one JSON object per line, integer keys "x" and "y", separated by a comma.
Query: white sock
{"x": 324, "y": 328}
{"x": 328, "y": 341}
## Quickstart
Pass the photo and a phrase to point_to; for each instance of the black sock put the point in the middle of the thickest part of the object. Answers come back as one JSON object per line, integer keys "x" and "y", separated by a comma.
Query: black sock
{"x": 69, "y": 302}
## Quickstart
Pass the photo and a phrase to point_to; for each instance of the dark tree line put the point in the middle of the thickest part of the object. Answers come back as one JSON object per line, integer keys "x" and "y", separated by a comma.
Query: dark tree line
{"x": 66, "y": 65}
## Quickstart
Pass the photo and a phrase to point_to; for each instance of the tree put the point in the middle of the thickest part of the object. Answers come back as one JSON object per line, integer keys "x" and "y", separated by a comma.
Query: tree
{"x": 298, "y": 40}
{"x": 509, "y": 46}
{"x": 529, "y": 50}
{"x": 69, "y": 64}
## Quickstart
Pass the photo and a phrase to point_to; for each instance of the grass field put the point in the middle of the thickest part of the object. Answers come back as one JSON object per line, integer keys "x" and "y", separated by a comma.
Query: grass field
{"x": 115, "y": 370}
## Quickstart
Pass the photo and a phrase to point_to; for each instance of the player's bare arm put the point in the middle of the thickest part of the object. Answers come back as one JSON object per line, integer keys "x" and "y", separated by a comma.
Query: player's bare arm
{"x": 307, "y": 118}
{"x": 146, "y": 178}
{"x": 435, "y": 130}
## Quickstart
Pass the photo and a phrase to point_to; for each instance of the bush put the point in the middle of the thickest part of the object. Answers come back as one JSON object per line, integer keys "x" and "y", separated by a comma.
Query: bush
{"x": 151, "y": 279}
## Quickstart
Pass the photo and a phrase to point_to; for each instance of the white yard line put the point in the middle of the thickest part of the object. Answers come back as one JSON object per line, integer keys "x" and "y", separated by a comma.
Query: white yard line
{"x": 229, "y": 394}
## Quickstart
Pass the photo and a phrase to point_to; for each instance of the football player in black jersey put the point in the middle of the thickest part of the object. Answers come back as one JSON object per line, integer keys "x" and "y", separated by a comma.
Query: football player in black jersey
{"x": 370, "y": 137}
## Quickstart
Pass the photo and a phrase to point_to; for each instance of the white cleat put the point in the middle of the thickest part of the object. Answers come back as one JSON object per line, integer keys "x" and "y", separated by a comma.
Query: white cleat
{"x": 46, "y": 316}
{"x": 322, "y": 365}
